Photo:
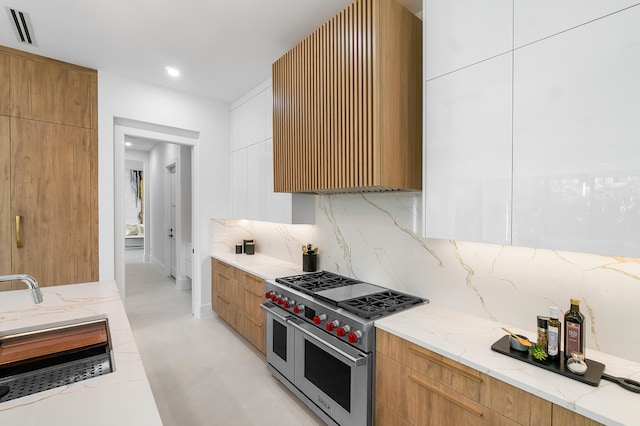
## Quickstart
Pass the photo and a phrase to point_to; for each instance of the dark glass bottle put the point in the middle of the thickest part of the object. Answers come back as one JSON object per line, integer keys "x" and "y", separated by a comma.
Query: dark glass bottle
{"x": 573, "y": 330}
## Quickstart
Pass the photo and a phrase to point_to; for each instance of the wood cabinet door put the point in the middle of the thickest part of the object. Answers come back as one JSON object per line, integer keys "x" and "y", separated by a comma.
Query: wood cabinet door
{"x": 253, "y": 288}
{"x": 47, "y": 90}
{"x": 5, "y": 86}
{"x": 5, "y": 200}
{"x": 564, "y": 417}
{"x": 54, "y": 190}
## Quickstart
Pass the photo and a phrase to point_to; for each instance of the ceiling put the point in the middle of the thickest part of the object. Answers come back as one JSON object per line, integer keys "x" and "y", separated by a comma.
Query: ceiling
{"x": 223, "y": 49}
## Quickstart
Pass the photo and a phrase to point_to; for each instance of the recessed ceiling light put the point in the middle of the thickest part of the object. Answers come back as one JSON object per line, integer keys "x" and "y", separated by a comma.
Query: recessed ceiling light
{"x": 172, "y": 71}
{"x": 127, "y": 143}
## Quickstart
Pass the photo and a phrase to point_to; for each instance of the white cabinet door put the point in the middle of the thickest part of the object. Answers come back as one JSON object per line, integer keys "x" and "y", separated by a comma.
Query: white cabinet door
{"x": 249, "y": 122}
{"x": 256, "y": 183}
{"x": 459, "y": 33}
{"x": 467, "y": 192}
{"x": 239, "y": 181}
{"x": 576, "y": 147}
{"x": 535, "y": 20}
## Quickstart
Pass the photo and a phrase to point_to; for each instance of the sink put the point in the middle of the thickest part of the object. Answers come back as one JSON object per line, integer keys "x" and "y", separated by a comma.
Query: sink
{"x": 40, "y": 358}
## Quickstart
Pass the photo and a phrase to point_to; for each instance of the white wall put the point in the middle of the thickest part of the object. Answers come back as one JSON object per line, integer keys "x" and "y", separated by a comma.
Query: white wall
{"x": 123, "y": 98}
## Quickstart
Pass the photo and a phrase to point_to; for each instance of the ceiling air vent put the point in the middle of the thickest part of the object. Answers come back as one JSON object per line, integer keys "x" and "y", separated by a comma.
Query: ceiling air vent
{"x": 22, "y": 26}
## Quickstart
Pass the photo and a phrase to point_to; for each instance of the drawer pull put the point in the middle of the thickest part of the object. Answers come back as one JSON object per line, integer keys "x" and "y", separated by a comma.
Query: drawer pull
{"x": 223, "y": 299}
{"x": 449, "y": 398}
{"x": 251, "y": 292}
{"x": 253, "y": 321}
{"x": 444, "y": 364}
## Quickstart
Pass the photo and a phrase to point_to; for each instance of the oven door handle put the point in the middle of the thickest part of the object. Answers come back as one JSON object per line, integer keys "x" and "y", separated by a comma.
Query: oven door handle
{"x": 355, "y": 361}
{"x": 274, "y": 313}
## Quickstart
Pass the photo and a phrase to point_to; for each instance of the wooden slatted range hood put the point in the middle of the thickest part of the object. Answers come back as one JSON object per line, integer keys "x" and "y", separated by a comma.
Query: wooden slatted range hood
{"x": 347, "y": 107}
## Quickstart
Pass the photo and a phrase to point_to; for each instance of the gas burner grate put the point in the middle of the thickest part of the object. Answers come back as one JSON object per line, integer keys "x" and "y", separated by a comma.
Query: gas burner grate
{"x": 316, "y": 281}
{"x": 374, "y": 305}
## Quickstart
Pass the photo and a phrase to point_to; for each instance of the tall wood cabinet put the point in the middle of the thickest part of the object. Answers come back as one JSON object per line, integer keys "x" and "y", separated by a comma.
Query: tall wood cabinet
{"x": 48, "y": 170}
{"x": 347, "y": 104}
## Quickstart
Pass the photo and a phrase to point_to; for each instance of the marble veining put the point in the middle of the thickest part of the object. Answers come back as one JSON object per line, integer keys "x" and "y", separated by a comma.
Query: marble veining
{"x": 468, "y": 339}
{"x": 376, "y": 238}
{"x": 124, "y": 395}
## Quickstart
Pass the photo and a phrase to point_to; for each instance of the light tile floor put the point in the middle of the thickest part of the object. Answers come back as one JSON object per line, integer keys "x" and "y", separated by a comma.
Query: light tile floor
{"x": 201, "y": 371}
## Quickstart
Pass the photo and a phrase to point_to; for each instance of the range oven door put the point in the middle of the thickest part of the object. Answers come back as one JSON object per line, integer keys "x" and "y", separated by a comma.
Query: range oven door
{"x": 280, "y": 340}
{"x": 334, "y": 375}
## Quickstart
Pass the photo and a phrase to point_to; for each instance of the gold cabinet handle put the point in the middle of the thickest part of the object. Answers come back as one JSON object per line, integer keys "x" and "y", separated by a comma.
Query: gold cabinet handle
{"x": 18, "y": 236}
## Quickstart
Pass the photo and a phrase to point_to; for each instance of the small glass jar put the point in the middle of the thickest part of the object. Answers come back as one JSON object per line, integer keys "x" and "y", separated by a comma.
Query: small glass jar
{"x": 576, "y": 363}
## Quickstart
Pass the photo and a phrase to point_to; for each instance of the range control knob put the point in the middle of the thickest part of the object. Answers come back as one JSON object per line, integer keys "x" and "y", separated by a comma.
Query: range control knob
{"x": 267, "y": 295}
{"x": 280, "y": 300}
{"x": 298, "y": 308}
{"x": 332, "y": 325}
{"x": 319, "y": 318}
{"x": 288, "y": 303}
{"x": 342, "y": 331}
{"x": 274, "y": 297}
{"x": 355, "y": 336}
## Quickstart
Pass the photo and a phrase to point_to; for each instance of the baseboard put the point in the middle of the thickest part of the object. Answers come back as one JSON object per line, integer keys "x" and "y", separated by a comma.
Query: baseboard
{"x": 205, "y": 311}
{"x": 183, "y": 283}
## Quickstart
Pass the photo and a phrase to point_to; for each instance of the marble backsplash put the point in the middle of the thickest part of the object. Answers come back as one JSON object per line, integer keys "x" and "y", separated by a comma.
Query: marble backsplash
{"x": 376, "y": 238}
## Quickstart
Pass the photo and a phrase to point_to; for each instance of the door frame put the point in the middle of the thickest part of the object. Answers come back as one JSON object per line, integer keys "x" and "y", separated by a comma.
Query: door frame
{"x": 126, "y": 127}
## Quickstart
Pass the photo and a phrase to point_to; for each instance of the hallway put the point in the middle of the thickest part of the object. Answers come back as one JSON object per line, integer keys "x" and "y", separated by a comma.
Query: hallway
{"x": 201, "y": 371}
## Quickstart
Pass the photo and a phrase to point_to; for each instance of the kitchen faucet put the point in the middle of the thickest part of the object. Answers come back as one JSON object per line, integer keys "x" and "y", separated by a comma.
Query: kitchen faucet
{"x": 31, "y": 282}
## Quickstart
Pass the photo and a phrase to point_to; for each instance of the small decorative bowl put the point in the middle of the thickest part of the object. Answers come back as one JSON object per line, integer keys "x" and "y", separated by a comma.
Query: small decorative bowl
{"x": 515, "y": 344}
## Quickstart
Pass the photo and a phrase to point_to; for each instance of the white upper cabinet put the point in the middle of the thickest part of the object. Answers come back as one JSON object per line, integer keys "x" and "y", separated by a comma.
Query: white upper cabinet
{"x": 249, "y": 121}
{"x": 468, "y": 154}
{"x": 459, "y": 33}
{"x": 576, "y": 144}
{"x": 252, "y": 165}
{"x": 535, "y": 20}
{"x": 239, "y": 184}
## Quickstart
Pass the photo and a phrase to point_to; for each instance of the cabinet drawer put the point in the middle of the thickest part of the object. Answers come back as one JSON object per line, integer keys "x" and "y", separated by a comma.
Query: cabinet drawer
{"x": 222, "y": 268}
{"x": 519, "y": 405}
{"x": 564, "y": 417}
{"x": 437, "y": 404}
{"x": 460, "y": 378}
{"x": 254, "y": 332}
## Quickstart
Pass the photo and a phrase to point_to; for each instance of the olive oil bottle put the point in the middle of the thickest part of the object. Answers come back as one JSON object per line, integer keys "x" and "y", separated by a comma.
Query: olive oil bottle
{"x": 573, "y": 330}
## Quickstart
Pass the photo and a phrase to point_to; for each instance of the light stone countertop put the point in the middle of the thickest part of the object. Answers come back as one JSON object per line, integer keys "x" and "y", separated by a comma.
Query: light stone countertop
{"x": 122, "y": 397}
{"x": 261, "y": 265}
{"x": 468, "y": 339}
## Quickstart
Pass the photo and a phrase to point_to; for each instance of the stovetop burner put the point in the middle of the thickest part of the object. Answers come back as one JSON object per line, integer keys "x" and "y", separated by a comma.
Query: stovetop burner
{"x": 316, "y": 281}
{"x": 378, "y": 304}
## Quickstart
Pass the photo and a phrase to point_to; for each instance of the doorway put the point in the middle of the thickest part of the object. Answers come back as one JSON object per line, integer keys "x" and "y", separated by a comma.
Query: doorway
{"x": 167, "y": 146}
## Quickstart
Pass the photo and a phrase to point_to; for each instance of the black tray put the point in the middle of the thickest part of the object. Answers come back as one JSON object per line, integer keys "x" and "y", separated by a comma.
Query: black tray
{"x": 591, "y": 377}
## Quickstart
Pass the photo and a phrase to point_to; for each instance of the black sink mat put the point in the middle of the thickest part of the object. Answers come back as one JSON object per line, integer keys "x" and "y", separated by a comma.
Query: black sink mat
{"x": 591, "y": 377}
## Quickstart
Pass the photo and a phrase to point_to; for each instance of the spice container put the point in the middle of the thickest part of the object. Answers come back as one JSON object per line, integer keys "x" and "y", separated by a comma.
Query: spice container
{"x": 576, "y": 363}
{"x": 543, "y": 340}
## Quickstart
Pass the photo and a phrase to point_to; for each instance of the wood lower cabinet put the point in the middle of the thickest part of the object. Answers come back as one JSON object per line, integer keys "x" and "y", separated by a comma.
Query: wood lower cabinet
{"x": 420, "y": 387}
{"x": 236, "y": 296}
{"x": 564, "y": 417}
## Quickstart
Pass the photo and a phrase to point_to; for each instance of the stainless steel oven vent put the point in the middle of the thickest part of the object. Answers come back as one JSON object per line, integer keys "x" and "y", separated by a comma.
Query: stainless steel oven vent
{"x": 21, "y": 25}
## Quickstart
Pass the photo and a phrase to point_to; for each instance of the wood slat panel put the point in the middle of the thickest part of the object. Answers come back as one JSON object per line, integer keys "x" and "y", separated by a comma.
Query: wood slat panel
{"x": 338, "y": 125}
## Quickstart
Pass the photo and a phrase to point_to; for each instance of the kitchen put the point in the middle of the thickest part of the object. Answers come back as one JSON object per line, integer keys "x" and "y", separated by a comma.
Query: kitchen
{"x": 378, "y": 237}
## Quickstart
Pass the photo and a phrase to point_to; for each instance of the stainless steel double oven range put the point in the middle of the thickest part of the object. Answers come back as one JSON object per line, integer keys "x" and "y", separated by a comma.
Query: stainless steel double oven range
{"x": 321, "y": 340}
